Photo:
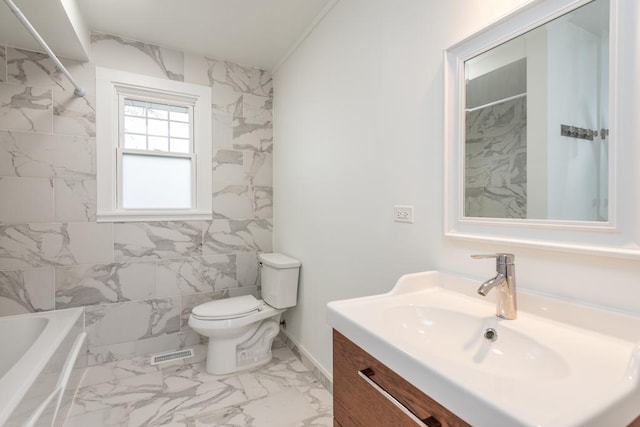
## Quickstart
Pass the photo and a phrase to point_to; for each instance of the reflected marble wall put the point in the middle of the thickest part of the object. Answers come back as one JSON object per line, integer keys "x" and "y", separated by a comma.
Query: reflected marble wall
{"x": 138, "y": 280}
{"x": 496, "y": 160}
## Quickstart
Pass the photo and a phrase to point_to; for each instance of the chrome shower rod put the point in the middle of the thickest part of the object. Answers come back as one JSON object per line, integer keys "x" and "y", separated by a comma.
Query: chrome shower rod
{"x": 16, "y": 11}
{"x": 499, "y": 101}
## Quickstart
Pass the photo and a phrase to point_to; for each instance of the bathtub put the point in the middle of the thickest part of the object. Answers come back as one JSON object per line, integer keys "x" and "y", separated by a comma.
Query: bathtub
{"x": 42, "y": 359}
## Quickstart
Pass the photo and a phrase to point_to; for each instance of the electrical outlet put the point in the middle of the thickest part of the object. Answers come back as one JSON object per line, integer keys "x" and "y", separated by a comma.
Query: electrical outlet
{"x": 403, "y": 214}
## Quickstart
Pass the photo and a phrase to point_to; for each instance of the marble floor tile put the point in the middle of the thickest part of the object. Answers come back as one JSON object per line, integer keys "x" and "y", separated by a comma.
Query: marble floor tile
{"x": 131, "y": 393}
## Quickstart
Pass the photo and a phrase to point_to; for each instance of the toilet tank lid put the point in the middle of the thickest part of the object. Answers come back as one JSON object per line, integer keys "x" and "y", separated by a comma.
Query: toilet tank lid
{"x": 228, "y": 307}
{"x": 278, "y": 260}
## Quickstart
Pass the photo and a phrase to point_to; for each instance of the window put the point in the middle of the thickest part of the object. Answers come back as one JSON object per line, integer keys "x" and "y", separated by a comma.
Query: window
{"x": 154, "y": 148}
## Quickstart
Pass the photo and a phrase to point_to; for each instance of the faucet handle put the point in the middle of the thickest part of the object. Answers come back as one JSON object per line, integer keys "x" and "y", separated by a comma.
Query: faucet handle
{"x": 501, "y": 258}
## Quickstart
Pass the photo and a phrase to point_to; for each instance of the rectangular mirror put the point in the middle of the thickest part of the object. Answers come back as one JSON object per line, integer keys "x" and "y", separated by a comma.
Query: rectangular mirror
{"x": 541, "y": 129}
{"x": 536, "y": 122}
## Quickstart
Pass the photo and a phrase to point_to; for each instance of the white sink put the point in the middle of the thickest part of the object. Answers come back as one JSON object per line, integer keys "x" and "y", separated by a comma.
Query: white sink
{"x": 557, "y": 364}
{"x": 459, "y": 338}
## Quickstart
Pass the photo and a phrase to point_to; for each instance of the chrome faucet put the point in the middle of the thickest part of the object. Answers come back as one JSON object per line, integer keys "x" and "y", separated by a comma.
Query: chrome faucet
{"x": 505, "y": 281}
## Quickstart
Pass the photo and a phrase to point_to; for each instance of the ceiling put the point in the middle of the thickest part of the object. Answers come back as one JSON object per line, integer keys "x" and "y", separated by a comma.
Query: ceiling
{"x": 259, "y": 33}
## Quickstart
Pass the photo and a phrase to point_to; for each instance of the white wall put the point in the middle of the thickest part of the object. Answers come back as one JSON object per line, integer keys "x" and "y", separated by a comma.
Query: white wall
{"x": 573, "y": 86}
{"x": 358, "y": 127}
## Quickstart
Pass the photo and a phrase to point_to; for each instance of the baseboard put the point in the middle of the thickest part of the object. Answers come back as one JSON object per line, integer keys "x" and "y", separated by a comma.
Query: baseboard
{"x": 325, "y": 378}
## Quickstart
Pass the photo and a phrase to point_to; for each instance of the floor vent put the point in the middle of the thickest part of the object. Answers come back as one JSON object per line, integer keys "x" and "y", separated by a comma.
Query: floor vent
{"x": 174, "y": 355}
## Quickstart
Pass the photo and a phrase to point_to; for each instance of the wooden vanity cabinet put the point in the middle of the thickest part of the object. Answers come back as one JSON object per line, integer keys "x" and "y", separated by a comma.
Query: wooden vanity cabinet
{"x": 361, "y": 389}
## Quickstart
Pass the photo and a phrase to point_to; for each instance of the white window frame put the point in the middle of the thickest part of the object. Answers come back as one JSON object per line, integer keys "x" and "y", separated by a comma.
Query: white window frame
{"x": 111, "y": 87}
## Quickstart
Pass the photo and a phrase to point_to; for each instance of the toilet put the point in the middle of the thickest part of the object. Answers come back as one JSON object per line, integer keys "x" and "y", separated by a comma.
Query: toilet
{"x": 241, "y": 329}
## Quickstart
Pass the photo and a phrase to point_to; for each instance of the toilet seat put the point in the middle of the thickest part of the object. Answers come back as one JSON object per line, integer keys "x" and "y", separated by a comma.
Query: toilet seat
{"x": 228, "y": 308}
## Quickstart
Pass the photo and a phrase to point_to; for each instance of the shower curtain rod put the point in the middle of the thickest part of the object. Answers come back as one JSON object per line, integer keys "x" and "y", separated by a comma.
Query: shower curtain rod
{"x": 78, "y": 91}
{"x": 499, "y": 101}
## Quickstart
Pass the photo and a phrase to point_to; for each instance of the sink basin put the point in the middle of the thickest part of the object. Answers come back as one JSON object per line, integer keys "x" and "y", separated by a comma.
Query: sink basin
{"x": 459, "y": 338}
{"x": 557, "y": 364}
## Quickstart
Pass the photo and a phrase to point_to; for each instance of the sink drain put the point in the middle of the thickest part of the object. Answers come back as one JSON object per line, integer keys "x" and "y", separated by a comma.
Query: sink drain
{"x": 491, "y": 334}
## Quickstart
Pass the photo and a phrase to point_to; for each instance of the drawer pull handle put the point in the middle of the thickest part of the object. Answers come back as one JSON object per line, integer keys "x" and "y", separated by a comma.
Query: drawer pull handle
{"x": 432, "y": 422}
{"x": 366, "y": 375}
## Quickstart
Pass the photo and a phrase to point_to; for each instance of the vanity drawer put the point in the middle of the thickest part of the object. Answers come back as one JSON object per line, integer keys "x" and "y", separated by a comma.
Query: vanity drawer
{"x": 360, "y": 384}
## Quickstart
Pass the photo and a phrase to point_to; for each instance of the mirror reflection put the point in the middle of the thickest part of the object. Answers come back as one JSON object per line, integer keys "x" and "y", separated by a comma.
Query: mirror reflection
{"x": 536, "y": 122}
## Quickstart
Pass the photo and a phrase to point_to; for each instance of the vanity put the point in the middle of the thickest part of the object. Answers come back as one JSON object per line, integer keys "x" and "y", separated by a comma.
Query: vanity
{"x": 540, "y": 151}
{"x": 367, "y": 393}
{"x": 421, "y": 355}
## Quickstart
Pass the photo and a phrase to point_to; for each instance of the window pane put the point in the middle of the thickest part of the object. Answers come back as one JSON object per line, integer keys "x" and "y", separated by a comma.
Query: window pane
{"x": 134, "y": 125}
{"x": 137, "y": 142}
{"x": 155, "y": 113}
{"x": 155, "y": 182}
{"x": 158, "y": 143}
{"x": 179, "y": 145}
{"x": 180, "y": 130}
{"x": 158, "y": 127}
{"x": 131, "y": 110}
{"x": 180, "y": 116}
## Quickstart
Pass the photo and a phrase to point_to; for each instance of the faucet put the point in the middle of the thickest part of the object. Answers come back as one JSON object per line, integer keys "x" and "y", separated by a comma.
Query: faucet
{"x": 505, "y": 281}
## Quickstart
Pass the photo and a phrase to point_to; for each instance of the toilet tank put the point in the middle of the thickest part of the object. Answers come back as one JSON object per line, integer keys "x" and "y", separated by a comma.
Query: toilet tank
{"x": 279, "y": 276}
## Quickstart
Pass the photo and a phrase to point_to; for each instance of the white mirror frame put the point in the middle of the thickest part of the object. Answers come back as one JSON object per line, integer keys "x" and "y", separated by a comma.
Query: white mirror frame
{"x": 620, "y": 236}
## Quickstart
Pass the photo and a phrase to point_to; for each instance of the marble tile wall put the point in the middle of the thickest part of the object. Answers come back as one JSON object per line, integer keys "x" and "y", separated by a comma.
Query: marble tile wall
{"x": 496, "y": 160}
{"x": 138, "y": 281}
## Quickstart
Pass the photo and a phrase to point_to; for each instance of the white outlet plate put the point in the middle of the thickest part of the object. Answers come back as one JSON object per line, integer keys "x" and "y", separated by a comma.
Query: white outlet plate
{"x": 403, "y": 214}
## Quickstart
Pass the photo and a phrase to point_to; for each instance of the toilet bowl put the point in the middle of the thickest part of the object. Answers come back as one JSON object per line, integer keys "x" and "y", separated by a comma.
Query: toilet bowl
{"x": 241, "y": 329}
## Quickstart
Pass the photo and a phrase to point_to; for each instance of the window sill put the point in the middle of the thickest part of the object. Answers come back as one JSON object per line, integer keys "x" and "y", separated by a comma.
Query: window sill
{"x": 150, "y": 215}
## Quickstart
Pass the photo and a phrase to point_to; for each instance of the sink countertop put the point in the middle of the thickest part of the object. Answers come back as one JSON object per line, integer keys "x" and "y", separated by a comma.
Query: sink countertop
{"x": 557, "y": 364}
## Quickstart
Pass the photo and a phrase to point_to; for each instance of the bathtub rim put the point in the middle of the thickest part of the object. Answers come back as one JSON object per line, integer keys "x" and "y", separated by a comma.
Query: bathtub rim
{"x": 17, "y": 381}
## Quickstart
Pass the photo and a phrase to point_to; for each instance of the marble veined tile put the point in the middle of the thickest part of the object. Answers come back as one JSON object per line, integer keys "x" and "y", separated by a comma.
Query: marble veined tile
{"x": 322, "y": 420}
{"x": 181, "y": 397}
{"x": 495, "y": 161}
{"x": 256, "y": 107}
{"x": 3, "y": 64}
{"x": 75, "y": 200}
{"x": 509, "y": 201}
{"x": 73, "y": 115}
{"x": 228, "y": 167}
{"x": 274, "y": 410}
{"x": 248, "y": 269}
{"x": 245, "y": 290}
{"x": 37, "y": 69}
{"x": 40, "y": 155}
{"x": 55, "y": 244}
{"x": 123, "y": 395}
{"x": 283, "y": 372}
{"x": 118, "y": 370}
{"x": 258, "y": 167}
{"x": 137, "y": 57}
{"x": 26, "y": 108}
{"x": 131, "y": 321}
{"x": 128, "y": 393}
{"x": 263, "y": 201}
{"x": 318, "y": 396}
{"x": 240, "y": 78}
{"x": 26, "y": 200}
{"x": 233, "y": 236}
{"x": 26, "y": 291}
{"x": 224, "y": 99}
{"x": 252, "y": 134}
{"x": 187, "y": 276}
{"x": 221, "y": 131}
{"x": 157, "y": 240}
{"x": 108, "y": 353}
{"x": 232, "y": 201}
{"x": 83, "y": 285}
{"x": 107, "y": 417}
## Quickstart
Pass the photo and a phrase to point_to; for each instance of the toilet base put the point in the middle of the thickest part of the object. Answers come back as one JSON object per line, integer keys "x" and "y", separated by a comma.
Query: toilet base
{"x": 253, "y": 349}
